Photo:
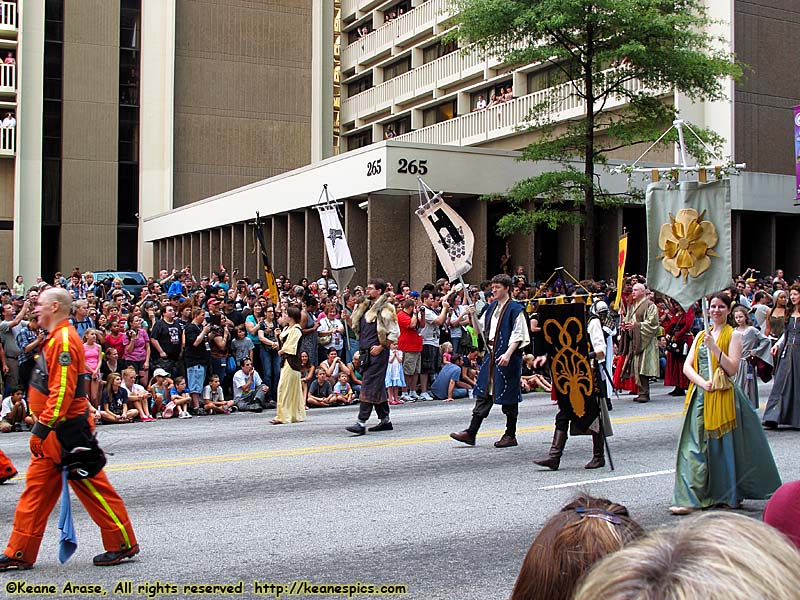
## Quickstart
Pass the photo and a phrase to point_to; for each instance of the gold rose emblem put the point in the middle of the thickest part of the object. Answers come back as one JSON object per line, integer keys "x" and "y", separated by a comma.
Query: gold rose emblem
{"x": 687, "y": 242}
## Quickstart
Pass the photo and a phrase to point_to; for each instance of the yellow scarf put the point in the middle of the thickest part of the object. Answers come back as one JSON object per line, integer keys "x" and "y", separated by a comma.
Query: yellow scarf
{"x": 719, "y": 405}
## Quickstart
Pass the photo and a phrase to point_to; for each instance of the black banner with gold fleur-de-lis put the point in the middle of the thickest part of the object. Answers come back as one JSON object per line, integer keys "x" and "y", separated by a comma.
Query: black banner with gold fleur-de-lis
{"x": 567, "y": 344}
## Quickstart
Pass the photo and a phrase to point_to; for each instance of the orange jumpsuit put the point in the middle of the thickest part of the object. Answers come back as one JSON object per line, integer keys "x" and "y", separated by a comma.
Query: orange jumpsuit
{"x": 62, "y": 353}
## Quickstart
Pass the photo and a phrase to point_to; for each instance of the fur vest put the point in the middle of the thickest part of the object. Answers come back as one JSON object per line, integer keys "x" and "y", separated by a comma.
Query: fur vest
{"x": 384, "y": 312}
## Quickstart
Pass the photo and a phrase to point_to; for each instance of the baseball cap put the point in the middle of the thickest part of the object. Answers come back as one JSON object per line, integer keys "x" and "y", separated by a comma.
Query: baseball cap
{"x": 212, "y": 302}
{"x": 17, "y": 297}
{"x": 160, "y": 373}
{"x": 413, "y": 294}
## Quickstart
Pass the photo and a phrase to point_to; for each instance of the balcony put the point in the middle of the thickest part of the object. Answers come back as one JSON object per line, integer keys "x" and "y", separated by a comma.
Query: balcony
{"x": 416, "y": 23}
{"x": 8, "y": 141}
{"x": 8, "y": 16}
{"x": 415, "y": 83}
{"x": 505, "y": 119}
{"x": 8, "y": 79}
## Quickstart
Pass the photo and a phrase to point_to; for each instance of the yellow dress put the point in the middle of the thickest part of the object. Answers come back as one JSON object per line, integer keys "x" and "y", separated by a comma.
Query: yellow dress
{"x": 291, "y": 406}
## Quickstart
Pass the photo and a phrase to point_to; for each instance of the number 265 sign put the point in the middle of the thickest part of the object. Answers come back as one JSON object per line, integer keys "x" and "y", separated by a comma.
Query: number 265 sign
{"x": 404, "y": 166}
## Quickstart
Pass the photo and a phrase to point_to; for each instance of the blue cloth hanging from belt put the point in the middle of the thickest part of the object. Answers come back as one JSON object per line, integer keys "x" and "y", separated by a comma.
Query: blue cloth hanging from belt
{"x": 68, "y": 540}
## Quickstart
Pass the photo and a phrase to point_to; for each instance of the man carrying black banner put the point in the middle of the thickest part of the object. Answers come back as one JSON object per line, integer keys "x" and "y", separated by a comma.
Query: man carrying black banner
{"x": 500, "y": 374}
{"x": 577, "y": 384}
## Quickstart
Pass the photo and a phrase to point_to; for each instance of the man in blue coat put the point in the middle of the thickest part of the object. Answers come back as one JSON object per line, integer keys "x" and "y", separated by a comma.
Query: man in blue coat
{"x": 501, "y": 372}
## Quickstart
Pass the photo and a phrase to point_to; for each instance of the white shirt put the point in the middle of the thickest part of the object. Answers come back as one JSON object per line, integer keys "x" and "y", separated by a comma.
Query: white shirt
{"x": 518, "y": 334}
{"x": 8, "y": 406}
{"x": 430, "y": 333}
{"x": 480, "y": 104}
{"x": 239, "y": 380}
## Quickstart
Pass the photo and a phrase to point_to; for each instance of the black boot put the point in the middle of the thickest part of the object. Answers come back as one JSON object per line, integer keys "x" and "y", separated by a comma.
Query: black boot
{"x": 598, "y": 452}
{"x": 556, "y": 450}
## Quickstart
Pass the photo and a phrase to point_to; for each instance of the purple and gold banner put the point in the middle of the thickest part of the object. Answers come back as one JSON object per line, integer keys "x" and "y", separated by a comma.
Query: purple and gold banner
{"x": 797, "y": 151}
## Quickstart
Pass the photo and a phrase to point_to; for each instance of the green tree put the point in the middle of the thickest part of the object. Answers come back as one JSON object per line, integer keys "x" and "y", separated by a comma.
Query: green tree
{"x": 600, "y": 50}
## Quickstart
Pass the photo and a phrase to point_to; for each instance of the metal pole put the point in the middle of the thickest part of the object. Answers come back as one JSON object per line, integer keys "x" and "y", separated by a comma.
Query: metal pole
{"x": 678, "y": 123}
{"x": 475, "y": 320}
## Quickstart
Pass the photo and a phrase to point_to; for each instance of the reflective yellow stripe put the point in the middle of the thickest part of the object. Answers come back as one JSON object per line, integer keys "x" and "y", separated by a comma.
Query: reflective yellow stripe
{"x": 110, "y": 512}
{"x": 63, "y": 386}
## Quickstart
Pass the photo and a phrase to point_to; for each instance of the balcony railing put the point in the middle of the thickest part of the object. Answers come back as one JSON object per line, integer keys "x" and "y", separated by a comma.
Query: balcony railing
{"x": 8, "y": 15}
{"x": 414, "y": 23}
{"x": 8, "y": 78}
{"x": 439, "y": 73}
{"x": 504, "y": 119}
{"x": 8, "y": 141}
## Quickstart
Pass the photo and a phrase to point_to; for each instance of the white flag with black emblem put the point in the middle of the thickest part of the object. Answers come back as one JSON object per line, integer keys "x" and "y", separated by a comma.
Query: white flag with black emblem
{"x": 449, "y": 233}
{"x": 336, "y": 244}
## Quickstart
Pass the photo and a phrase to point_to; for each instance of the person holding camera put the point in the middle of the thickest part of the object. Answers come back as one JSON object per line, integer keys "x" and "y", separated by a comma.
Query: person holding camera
{"x": 28, "y": 339}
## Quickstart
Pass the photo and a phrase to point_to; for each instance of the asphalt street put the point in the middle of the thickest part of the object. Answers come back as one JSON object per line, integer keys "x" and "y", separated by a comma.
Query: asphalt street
{"x": 218, "y": 500}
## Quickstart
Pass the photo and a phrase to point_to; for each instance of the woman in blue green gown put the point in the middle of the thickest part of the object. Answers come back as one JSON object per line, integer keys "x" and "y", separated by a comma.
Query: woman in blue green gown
{"x": 723, "y": 454}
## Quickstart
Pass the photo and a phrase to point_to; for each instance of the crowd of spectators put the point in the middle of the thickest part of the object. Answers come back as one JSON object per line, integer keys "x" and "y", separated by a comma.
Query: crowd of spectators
{"x": 503, "y": 94}
{"x": 190, "y": 346}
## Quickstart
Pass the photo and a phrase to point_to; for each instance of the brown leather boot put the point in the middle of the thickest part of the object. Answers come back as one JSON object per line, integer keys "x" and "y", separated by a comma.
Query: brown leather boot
{"x": 464, "y": 436}
{"x": 598, "y": 452}
{"x": 507, "y": 441}
{"x": 556, "y": 450}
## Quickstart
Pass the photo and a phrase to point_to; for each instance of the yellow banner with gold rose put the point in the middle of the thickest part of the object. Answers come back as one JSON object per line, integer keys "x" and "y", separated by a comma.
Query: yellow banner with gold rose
{"x": 688, "y": 238}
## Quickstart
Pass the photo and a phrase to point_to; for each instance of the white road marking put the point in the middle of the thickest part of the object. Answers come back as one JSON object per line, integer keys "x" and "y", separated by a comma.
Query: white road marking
{"x": 620, "y": 478}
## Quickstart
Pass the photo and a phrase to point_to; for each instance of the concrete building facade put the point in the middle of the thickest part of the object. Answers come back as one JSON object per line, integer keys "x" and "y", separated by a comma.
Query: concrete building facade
{"x": 203, "y": 112}
{"x": 398, "y": 80}
{"x": 128, "y": 108}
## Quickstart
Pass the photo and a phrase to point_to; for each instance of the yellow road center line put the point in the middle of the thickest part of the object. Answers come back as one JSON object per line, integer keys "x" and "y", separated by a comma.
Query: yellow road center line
{"x": 289, "y": 452}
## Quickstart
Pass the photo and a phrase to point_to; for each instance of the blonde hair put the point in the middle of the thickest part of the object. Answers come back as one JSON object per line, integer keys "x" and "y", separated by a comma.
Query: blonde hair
{"x": 712, "y": 555}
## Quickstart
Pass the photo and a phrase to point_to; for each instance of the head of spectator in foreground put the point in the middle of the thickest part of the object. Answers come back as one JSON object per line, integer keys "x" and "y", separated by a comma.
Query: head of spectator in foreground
{"x": 783, "y": 511}
{"x": 711, "y": 555}
{"x": 579, "y": 535}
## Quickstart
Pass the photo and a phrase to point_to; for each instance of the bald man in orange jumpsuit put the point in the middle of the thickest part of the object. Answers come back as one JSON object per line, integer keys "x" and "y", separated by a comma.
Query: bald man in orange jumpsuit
{"x": 57, "y": 394}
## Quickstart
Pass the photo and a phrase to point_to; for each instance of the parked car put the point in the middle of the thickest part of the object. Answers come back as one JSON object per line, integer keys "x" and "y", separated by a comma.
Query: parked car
{"x": 133, "y": 281}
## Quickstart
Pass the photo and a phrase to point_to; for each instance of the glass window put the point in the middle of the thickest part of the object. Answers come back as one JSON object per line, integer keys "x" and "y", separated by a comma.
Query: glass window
{"x": 359, "y": 140}
{"x": 51, "y": 191}
{"x": 128, "y": 194}
{"x": 438, "y": 50}
{"x": 360, "y": 85}
{"x": 397, "y": 68}
{"x": 437, "y": 114}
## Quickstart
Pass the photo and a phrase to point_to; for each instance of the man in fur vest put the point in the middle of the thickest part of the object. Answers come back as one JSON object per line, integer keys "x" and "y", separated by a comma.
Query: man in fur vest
{"x": 374, "y": 321}
{"x": 501, "y": 371}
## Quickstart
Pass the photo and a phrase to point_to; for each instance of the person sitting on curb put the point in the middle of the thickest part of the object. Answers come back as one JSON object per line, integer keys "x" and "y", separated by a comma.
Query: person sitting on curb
{"x": 249, "y": 393}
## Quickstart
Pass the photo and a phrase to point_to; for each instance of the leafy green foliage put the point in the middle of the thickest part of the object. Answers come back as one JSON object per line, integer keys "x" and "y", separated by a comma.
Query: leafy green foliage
{"x": 629, "y": 54}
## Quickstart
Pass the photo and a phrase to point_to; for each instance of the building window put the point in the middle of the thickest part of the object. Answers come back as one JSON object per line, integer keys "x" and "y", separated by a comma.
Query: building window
{"x": 397, "y": 68}
{"x": 360, "y": 85}
{"x": 437, "y": 114}
{"x": 51, "y": 136}
{"x": 359, "y": 140}
{"x": 438, "y": 50}
{"x": 128, "y": 150}
{"x": 398, "y": 127}
{"x": 398, "y": 10}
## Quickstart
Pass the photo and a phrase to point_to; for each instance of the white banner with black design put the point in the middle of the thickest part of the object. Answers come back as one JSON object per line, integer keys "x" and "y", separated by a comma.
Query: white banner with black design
{"x": 336, "y": 245}
{"x": 450, "y": 235}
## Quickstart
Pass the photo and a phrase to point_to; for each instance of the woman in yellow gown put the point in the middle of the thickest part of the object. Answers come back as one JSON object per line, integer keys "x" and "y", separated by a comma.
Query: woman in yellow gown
{"x": 291, "y": 406}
